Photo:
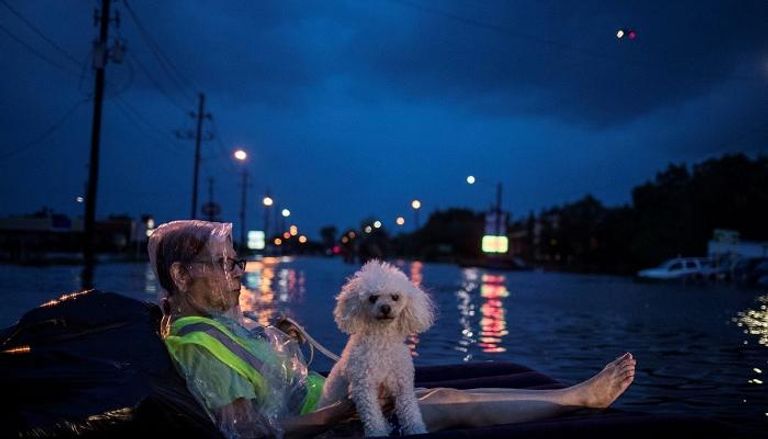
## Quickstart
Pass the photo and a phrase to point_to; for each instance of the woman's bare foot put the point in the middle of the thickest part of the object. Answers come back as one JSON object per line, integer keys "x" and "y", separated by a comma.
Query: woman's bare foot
{"x": 602, "y": 389}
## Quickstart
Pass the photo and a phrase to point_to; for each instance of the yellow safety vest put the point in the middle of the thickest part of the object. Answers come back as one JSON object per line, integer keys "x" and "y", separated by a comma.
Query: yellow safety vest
{"x": 244, "y": 356}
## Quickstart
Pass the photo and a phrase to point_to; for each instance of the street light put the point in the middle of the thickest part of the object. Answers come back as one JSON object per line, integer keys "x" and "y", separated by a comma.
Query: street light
{"x": 241, "y": 156}
{"x": 400, "y": 221}
{"x": 416, "y": 205}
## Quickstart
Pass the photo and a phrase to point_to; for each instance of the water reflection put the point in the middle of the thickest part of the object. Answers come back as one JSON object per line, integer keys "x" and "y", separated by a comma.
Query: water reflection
{"x": 416, "y": 276}
{"x": 267, "y": 289}
{"x": 412, "y": 341}
{"x": 756, "y": 321}
{"x": 466, "y": 308}
{"x": 493, "y": 324}
{"x": 150, "y": 280}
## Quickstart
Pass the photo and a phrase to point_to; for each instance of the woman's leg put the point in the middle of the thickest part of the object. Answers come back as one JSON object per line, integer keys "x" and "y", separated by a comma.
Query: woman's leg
{"x": 446, "y": 408}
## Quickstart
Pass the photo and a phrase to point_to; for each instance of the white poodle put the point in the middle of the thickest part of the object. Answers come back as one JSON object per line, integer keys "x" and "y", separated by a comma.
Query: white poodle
{"x": 379, "y": 307}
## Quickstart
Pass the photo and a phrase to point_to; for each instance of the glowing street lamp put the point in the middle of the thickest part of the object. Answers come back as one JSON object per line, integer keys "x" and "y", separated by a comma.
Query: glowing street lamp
{"x": 471, "y": 179}
{"x": 377, "y": 224}
{"x": 241, "y": 155}
{"x": 267, "y": 201}
{"x": 286, "y": 213}
{"x": 400, "y": 221}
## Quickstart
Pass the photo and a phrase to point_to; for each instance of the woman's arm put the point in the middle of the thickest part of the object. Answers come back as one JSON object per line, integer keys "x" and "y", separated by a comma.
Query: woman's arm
{"x": 238, "y": 419}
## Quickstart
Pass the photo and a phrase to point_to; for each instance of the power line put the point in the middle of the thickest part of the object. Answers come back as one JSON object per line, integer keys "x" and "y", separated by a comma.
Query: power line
{"x": 143, "y": 123}
{"x": 165, "y": 62}
{"x": 155, "y": 82}
{"x": 55, "y": 126}
{"x": 41, "y": 34}
{"x": 36, "y": 52}
{"x": 222, "y": 148}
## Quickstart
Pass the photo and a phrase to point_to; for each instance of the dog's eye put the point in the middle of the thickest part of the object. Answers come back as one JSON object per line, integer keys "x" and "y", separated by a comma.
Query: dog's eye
{"x": 395, "y": 297}
{"x": 372, "y": 299}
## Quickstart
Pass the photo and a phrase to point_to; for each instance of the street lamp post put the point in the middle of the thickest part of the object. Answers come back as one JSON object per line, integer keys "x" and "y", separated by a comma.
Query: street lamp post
{"x": 267, "y": 202}
{"x": 497, "y": 243}
{"x": 241, "y": 155}
{"x": 497, "y": 207}
{"x": 416, "y": 205}
{"x": 285, "y": 214}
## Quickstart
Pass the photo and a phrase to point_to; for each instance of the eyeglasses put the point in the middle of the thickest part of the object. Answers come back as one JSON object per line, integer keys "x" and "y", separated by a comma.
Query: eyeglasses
{"x": 227, "y": 264}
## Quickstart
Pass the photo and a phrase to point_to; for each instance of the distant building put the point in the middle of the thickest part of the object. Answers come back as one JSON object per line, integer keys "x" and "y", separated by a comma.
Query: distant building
{"x": 35, "y": 236}
{"x": 727, "y": 243}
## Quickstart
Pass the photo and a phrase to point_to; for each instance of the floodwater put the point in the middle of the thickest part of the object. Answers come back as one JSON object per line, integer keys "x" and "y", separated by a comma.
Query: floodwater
{"x": 701, "y": 349}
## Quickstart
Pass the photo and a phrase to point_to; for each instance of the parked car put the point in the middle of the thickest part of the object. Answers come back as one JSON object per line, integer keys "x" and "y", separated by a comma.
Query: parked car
{"x": 680, "y": 268}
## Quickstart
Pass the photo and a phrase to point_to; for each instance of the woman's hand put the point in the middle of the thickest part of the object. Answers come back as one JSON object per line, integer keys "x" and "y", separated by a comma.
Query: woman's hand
{"x": 290, "y": 329}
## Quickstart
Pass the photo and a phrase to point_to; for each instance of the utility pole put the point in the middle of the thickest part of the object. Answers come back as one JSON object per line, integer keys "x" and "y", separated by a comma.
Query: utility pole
{"x": 267, "y": 204}
{"x": 199, "y": 136}
{"x": 242, "y": 211}
{"x": 100, "y": 58}
{"x": 199, "y": 132}
{"x": 498, "y": 209}
{"x": 210, "y": 199}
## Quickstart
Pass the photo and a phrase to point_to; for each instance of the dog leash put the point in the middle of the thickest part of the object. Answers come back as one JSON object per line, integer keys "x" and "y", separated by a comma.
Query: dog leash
{"x": 312, "y": 342}
{"x": 303, "y": 332}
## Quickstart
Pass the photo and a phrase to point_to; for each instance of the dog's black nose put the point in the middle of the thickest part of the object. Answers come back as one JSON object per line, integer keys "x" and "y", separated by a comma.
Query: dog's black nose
{"x": 385, "y": 309}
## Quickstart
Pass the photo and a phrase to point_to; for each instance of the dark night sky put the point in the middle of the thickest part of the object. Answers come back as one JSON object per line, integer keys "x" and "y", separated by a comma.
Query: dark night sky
{"x": 352, "y": 109}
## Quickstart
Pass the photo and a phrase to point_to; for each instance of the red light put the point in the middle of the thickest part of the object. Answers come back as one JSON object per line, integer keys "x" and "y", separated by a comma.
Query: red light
{"x": 336, "y": 249}
{"x": 632, "y": 35}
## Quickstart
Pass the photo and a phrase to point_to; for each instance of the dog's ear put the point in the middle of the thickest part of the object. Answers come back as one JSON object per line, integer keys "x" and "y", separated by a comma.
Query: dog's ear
{"x": 348, "y": 309}
{"x": 418, "y": 314}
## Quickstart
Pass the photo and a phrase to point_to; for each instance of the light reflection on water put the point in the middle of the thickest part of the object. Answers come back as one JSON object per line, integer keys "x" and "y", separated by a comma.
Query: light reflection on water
{"x": 268, "y": 288}
{"x": 467, "y": 311}
{"x": 493, "y": 324}
{"x": 412, "y": 341}
{"x": 755, "y": 322}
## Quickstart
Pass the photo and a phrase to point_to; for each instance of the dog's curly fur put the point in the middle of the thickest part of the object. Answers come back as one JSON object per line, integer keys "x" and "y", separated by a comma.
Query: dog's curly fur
{"x": 379, "y": 307}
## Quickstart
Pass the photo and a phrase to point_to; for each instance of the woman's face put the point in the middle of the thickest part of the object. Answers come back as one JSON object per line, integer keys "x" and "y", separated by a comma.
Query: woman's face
{"x": 215, "y": 284}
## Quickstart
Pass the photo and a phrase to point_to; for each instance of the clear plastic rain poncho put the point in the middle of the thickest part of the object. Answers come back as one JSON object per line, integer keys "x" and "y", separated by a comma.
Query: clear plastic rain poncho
{"x": 247, "y": 380}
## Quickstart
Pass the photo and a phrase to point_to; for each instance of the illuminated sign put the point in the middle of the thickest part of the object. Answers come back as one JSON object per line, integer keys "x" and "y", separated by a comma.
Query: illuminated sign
{"x": 256, "y": 240}
{"x": 495, "y": 244}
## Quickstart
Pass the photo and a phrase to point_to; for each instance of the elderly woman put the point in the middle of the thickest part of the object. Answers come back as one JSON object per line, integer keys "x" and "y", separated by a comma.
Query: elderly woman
{"x": 254, "y": 383}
